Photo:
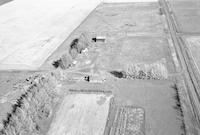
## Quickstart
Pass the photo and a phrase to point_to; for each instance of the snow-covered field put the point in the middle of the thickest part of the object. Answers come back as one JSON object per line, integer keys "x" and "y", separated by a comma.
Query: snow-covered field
{"x": 30, "y": 30}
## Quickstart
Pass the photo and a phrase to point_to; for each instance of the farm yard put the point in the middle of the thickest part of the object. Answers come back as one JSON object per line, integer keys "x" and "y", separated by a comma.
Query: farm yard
{"x": 128, "y": 68}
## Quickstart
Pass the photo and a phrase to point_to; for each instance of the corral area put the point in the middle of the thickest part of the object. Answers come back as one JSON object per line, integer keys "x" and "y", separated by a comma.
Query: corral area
{"x": 129, "y": 68}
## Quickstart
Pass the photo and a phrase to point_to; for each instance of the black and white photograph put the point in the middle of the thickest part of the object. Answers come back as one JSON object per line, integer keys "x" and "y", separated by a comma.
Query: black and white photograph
{"x": 99, "y": 67}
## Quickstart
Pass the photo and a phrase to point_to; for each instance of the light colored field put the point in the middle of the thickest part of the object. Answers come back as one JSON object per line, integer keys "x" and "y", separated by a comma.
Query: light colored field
{"x": 187, "y": 15}
{"x": 31, "y": 30}
{"x": 81, "y": 114}
{"x": 194, "y": 48}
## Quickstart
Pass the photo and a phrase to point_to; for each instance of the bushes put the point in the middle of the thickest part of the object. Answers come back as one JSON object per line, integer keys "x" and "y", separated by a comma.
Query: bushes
{"x": 155, "y": 70}
{"x": 33, "y": 106}
{"x": 64, "y": 62}
{"x": 76, "y": 47}
{"x": 178, "y": 108}
{"x": 118, "y": 74}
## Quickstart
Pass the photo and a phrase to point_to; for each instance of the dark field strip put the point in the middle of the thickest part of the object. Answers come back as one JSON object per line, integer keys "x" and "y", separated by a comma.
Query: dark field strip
{"x": 4, "y": 1}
